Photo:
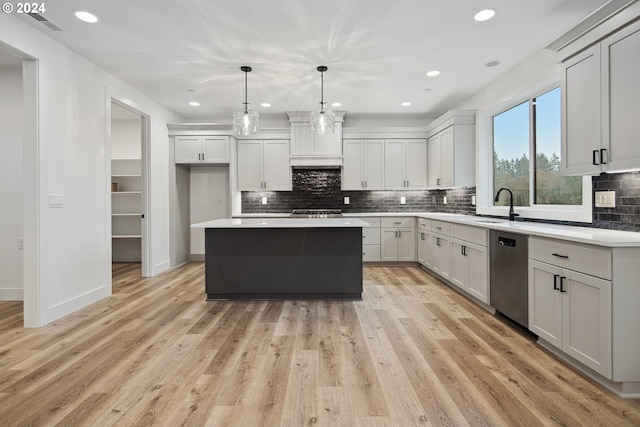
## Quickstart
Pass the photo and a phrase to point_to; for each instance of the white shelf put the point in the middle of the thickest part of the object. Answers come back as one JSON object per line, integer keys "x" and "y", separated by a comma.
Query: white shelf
{"x": 126, "y": 207}
{"x": 125, "y": 236}
{"x": 126, "y": 192}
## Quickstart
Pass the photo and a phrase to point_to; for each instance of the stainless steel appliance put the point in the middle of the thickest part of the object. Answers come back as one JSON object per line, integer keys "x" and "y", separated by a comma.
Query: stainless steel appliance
{"x": 316, "y": 213}
{"x": 509, "y": 287}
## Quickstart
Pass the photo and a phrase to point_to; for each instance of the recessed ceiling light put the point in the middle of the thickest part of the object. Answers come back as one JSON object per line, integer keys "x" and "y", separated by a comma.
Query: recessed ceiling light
{"x": 336, "y": 104}
{"x": 492, "y": 64}
{"x": 405, "y": 104}
{"x": 265, "y": 105}
{"x": 433, "y": 73}
{"x": 85, "y": 16}
{"x": 484, "y": 15}
{"x": 194, "y": 103}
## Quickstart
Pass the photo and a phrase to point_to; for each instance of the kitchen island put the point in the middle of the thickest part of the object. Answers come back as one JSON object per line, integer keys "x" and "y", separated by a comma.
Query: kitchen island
{"x": 283, "y": 258}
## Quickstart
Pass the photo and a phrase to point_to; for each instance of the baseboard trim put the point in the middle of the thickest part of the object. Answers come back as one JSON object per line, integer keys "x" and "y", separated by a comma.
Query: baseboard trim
{"x": 197, "y": 257}
{"x": 160, "y": 267}
{"x": 61, "y": 309}
{"x": 12, "y": 294}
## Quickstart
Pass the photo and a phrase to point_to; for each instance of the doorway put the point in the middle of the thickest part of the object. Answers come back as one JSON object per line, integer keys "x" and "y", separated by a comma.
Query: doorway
{"x": 129, "y": 187}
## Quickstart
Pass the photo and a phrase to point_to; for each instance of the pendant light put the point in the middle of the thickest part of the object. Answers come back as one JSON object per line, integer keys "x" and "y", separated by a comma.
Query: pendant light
{"x": 323, "y": 122}
{"x": 245, "y": 121}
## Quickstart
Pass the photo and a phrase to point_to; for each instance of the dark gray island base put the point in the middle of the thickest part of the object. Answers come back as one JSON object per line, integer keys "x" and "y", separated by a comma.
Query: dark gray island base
{"x": 283, "y": 263}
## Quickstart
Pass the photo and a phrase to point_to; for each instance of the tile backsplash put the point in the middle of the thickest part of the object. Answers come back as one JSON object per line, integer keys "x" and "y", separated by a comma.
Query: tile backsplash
{"x": 321, "y": 188}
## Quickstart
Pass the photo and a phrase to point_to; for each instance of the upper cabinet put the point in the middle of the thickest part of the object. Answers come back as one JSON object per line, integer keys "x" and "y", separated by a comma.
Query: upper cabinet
{"x": 202, "y": 149}
{"x": 599, "y": 106}
{"x": 363, "y": 164}
{"x": 405, "y": 164}
{"x": 263, "y": 165}
{"x": 451, "y": 150}
{"x": 310, "y": 149}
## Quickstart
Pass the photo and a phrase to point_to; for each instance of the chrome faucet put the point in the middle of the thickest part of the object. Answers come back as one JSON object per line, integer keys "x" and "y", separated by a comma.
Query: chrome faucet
{"x": 512, "y": 214}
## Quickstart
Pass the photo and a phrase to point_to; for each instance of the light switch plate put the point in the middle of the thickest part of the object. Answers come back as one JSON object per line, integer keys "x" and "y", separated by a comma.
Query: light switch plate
{"x": 264, "y": 200}
{"x": 605, "y": 199}
{"x": 403, "y": 200}
{"x": 444, "y": 200}
{"x": 56, "y": 200}
{"x": 346, "y": 200}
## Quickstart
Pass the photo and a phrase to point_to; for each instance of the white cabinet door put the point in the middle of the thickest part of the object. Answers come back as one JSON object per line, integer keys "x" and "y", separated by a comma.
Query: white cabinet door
{"x": 478, "y": 284}
{"x": 276, "y": 170}
{"x": 215, "y": 150}
{"x": 459, "y": 267}
{"x": 389, "y": 246}
{"x": 441, "y": 255}
{"x": 352, "y": 170}
{"x": 447, "y": 158}
{"x": 586, "y": 320}
{"x": 416, "y": 163}
{"x": 406, "y": 244}
{"x": 373, "y": 162}
{"x": 545, "y": 302}
{"x": 394, "y": 164}
{"x": 434, "y": 161}
{"x": 621, "y": 91}
{"x": 188, "y": 149}
{"x": 250, "y": 166}
{"x": 581, "y": 114}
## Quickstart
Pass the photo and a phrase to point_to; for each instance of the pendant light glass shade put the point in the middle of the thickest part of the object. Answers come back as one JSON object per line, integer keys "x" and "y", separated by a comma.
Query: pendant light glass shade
{"x": 323, "y": 121}
{"x": 245, "y": 121}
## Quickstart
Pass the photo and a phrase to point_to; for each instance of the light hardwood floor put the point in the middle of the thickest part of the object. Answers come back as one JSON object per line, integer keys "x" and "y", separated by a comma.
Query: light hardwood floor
{"x": 412, "y": 353}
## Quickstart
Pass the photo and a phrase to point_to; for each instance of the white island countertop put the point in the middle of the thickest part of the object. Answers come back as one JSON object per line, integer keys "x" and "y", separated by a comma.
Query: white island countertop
{"x": 282, "y": 223}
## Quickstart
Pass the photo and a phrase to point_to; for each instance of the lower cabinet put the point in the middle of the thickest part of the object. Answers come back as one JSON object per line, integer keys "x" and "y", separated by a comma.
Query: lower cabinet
{"x": 469, "y": 268}
{"x": 425, "y": 248}
{"x": 441, "y": 255}
{"x": 572, "y": 311}
{"x": 398, "y": 239}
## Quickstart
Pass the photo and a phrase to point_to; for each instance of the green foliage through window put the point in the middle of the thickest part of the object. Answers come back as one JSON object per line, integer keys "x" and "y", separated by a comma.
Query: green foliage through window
{"x": 532, "y": 127}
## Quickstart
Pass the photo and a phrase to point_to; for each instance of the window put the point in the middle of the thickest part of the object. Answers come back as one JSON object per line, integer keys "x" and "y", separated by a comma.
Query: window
{"x": 532, "y": 127}
{"x": 519, "y": 146}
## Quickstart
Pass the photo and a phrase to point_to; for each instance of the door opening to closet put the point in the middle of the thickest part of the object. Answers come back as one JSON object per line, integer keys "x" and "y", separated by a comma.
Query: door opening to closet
{"x": 128, "y": 194}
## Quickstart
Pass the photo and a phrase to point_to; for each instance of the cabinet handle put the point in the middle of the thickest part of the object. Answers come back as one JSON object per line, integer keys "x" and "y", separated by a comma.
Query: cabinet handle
{"x": 461, "y": 250}
{"x": 366, "y": 184}
{"x": 464, "y": 250}
{"x": 561, "y": 256}
{"x": 202, "y": 156}
{"x": 555, "y": 282}
{"x": 397, "y": 222}
{"x": 438, "y": 228}
{"x": 437, "y": 241}
{"x": 438, "y": 181}
{"x": 421, "y": 236}
{"x": 593, "y": 157}
{"x": 602, "y": 153}
{"x": 562, "y": 284}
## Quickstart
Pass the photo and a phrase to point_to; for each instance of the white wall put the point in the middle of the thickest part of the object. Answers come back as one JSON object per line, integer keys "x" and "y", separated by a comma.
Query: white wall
{"x": 209, "y": 199}
{"x": 72, "y": 244}
{"x": 126, "y": 136}
{"x": 11, "y": 183}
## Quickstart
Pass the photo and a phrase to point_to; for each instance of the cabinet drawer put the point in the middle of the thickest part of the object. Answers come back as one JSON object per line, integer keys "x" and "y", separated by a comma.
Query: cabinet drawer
{"x": 370, "y": 236}
{"x": 592, "y": 260}
{"x": 370, "y": 253}
{"x": 440, "y": 227}
{"x": 373, "y": 222}
{"x": 477, "y": 235}
{"x": 398, "y": 222}
{"x": 424, "y": 224}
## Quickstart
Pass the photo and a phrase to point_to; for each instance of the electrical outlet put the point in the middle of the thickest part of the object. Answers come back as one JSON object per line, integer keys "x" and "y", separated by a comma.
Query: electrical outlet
{"x": 56, "y": 200}
{"x": 444, "y": 200}
{"x": 346, "y": 200}
{"x": 473, "y": 200}
{"x": 403, "y": 200}
{"x": 605, "y": 199}
{"x": 264, "y": 201}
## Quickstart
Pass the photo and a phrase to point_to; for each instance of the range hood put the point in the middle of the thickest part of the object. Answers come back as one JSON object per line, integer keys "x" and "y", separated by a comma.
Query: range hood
{"x": 315, "y": 161}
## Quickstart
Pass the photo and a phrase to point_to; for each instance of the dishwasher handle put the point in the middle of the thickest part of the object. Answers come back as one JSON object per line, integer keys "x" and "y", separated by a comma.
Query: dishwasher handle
{"x": 505, "y": 241}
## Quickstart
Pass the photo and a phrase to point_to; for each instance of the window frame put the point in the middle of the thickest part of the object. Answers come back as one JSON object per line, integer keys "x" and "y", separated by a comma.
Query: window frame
{"x": 484, "y": 168}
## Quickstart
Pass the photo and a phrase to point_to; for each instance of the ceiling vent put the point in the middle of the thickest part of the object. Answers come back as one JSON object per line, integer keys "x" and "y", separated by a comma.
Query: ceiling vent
{"x": 602, "y": 14}
{"x": 44, "y": 21}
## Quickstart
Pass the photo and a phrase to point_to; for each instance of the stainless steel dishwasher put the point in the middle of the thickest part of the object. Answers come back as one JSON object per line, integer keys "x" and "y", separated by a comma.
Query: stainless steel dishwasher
{"x": 509, "y": 290}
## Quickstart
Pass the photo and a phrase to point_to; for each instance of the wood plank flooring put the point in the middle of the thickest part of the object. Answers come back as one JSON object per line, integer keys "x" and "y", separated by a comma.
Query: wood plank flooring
{"x": 413, "y": 352}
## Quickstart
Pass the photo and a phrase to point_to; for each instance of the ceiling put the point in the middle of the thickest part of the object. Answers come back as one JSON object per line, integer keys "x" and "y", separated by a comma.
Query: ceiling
{"x": 377, "y": 51}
